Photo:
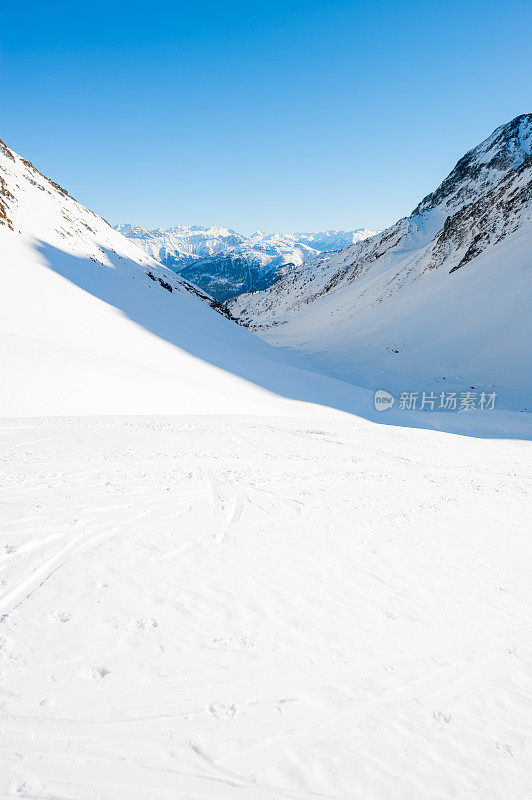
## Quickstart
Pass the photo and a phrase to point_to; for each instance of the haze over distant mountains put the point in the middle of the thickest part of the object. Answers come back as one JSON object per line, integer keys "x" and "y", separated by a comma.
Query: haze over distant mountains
{"x": 225, "y": 263}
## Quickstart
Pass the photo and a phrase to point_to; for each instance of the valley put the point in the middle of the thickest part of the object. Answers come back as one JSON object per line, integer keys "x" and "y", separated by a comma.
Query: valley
{"x": 225, "y": 570}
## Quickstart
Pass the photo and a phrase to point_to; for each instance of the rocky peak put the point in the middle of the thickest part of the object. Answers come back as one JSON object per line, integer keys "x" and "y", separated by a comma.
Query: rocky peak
{"x": 483, "y": 166}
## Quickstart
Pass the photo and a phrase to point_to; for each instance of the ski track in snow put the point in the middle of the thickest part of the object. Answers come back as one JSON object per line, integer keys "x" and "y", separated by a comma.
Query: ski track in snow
{"x": 273, "y": 608}
{"x": 262, "y": 597}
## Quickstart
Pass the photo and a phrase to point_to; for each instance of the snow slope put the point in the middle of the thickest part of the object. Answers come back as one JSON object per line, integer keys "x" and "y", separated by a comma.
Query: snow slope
{"x": 439, "y": 300}
{"x": 216, "y": 585}
{"x": 231, "y": 607}
{"x": 88, "y": 324}
{"x": 225, "y": 263}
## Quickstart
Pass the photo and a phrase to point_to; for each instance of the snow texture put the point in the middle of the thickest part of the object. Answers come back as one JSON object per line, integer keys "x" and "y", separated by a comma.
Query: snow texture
{"x": 219, "y": 577}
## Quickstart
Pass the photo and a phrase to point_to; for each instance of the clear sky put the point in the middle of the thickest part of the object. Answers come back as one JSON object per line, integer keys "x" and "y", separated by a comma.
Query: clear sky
{"x": 295, "y": 115}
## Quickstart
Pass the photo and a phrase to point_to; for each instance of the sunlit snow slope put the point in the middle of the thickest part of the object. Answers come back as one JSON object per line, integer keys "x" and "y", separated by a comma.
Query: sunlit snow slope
{"x": 440, "y": 300}
{"x": 91, "y": 324}
{"x": 212, "y": 590}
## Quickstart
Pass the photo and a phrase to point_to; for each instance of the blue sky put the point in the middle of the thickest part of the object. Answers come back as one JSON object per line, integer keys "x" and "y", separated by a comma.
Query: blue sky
{"x": 279, "y": 116}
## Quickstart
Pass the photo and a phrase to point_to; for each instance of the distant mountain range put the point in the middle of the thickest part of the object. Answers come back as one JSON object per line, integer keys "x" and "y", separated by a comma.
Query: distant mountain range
{"x": 225, "y": 263}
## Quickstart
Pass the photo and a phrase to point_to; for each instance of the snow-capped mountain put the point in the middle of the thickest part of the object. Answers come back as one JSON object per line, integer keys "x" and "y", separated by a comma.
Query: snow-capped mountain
{"x": 179, "y": 497}
{"x": 442, "y": 295}
{"x": 92, "y": 324}
{"x": 226, "y": 263}
{"x": 186, "y": 244}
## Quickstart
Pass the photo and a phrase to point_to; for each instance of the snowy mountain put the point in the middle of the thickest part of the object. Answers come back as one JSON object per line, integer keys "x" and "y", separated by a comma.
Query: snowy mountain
{"x": 99, "y": 326}
{"x": 215, "y": 582}
{"x": 442, "y": 295}
{"x": 392, "y": 311}
{"x": 225, "y": 263}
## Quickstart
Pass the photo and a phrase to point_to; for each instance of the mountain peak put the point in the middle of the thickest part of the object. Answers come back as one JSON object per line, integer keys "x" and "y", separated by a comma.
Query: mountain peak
{"x": 447, "y": 288}
{"x": 504, "y": 150}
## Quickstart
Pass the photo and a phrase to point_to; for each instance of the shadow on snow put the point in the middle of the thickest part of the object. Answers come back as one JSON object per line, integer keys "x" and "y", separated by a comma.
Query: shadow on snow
{"x": 195, "y": 328}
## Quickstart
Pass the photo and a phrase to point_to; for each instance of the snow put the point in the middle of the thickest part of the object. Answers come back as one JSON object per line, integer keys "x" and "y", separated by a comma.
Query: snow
{"x": 219, "y": 576}
{"x": 413, "y": 309}
{"x": 443, "y": 332}
{"x": 183, "y": 243}
{"x": 243, "y": 606}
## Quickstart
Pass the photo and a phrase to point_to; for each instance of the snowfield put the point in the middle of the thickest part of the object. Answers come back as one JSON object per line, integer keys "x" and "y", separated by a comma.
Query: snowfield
{"x": 261, "y": 607}
{"x": 221, "y": 576}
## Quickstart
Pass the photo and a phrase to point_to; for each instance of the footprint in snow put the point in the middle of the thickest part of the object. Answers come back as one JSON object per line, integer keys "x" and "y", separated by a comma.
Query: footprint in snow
{"x": 234, "y": 642}
{"x": 505, "y": 749}
{"x": 96, "y": 673}
{"x": 222, "y": 710}
{"x": 59, "y": 616}
{"x": 142, "y": 624}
